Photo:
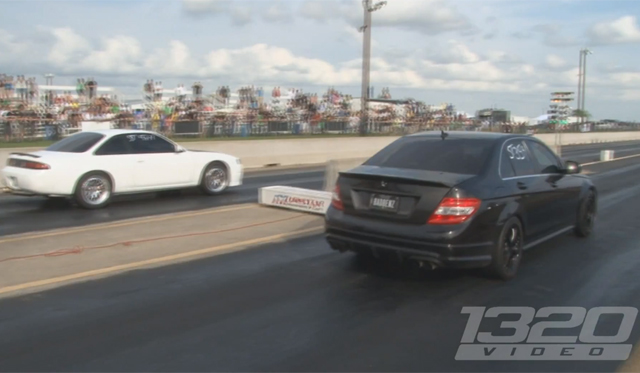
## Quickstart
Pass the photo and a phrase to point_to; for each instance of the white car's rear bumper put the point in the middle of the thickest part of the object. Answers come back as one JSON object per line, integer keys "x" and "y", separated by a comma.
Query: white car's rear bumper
{"x": 39, "y": 182}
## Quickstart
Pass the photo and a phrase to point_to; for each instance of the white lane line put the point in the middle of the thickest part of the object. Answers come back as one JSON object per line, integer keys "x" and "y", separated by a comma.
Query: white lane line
{"x": 615, "y": 171}
{"x": 615, "y": 159}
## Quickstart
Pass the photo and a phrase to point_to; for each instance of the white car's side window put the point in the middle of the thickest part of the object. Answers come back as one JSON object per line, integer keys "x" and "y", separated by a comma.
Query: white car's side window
{"x": 117, "y": 145}
{"x": 150, "y": 144}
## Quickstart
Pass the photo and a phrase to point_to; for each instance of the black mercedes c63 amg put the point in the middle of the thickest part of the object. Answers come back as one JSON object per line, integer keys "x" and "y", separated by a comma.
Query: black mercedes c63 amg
{"x": 460, "y": 199}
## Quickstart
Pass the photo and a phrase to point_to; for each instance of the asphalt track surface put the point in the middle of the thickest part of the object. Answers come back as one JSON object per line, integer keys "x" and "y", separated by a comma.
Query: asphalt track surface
{"x": 27, "y": 214}
{"x": 298, "y": 306}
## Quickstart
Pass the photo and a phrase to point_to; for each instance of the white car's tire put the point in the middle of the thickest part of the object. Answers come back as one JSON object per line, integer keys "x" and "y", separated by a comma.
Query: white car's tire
{"x": 215, "y": 178}
{"x": 94, "y": 190}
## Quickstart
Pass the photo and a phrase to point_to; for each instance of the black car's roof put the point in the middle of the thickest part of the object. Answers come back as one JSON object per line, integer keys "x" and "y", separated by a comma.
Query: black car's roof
{"x": 468, "y": 135}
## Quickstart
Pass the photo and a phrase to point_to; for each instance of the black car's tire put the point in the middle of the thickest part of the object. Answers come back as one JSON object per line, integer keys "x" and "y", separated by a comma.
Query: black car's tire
{"x": 507, "y": 251}
{"x": 94, "y": 190}
{"x": 586, "y": 215}
{"x": 215, "y": 179}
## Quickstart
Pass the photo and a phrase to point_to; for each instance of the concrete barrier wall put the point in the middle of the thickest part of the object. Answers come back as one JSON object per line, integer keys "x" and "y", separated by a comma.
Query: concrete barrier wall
{"x": 335, "y": 166}
{"x": 588, "y": 137}
{"x": 288, "y": 152}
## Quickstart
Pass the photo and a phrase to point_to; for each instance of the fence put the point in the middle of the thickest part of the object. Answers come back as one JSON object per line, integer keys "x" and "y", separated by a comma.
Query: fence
{"x": 34, "y": 129}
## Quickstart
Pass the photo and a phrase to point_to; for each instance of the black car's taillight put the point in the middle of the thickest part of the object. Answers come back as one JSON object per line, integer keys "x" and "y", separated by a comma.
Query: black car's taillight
{"x": 454, "y": 210}
{"x": 336, "y": 201}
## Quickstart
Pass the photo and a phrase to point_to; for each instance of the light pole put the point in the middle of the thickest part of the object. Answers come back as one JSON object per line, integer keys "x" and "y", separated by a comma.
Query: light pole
{"x": 582, "y": 81}
{"x": 369, "y": 8}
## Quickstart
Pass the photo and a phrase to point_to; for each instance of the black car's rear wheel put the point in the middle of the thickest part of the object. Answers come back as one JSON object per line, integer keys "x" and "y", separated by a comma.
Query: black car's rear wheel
{"x": 586, "y": 215}
{"x": 507, "y": 252}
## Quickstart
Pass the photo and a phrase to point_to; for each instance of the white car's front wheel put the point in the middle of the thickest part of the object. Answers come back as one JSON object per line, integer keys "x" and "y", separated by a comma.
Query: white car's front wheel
{"x": 94, "y": 190}
{"x": 215, "y": 179}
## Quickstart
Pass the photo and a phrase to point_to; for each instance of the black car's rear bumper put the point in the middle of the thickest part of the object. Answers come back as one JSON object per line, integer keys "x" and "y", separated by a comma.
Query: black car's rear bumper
{"x": 344, "y": 236}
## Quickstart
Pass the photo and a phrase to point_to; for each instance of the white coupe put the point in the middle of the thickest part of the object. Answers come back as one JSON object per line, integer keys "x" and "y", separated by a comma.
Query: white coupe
{"x": 92, "y": 166}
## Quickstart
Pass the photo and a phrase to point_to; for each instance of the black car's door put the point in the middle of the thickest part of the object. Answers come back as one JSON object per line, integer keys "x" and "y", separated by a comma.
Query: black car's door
{"x": 529, "y": 190}
{"x": 563, "y": 190}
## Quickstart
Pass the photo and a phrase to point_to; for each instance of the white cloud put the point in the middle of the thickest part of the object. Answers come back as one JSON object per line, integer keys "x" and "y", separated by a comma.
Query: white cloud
{"x": 625, "y": 79}
{"x": 555, "y": 62}
{"x": 554, "y": 35}
{"x": 120, "y": 53}
{"x": 502, "y": 57}
{"x": 318, "y": 10}
{"x": 629, "y": 95}
{"x": 206, "y": 6}
{"x": 431, "y": 17}
{"x": 455, "y": 52}
{"x": 12, "y": 48}
{"x": 241, "y": 15}
{"x": 623, "y": 30}
{"x": 278, "y": 12}
{"x": 452, "y": 67}
{"x": 173, "y": 61}
{"x": 68, "y": 47}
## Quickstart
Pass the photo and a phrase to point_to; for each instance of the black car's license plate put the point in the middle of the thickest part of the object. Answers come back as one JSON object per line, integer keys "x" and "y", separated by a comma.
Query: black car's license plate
{"x": 384, "y": 203}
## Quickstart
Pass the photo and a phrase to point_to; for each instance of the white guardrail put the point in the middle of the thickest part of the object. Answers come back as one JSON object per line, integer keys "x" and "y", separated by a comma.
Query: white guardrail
{"x": 306, "y": 200}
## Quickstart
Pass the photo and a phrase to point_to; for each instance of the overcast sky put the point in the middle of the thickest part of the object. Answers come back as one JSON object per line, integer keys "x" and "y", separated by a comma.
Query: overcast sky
{"x": 472, "y": 53}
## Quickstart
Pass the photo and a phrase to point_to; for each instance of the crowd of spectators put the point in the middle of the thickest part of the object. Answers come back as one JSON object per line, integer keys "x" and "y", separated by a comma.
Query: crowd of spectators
{"x": 25, "y": 107}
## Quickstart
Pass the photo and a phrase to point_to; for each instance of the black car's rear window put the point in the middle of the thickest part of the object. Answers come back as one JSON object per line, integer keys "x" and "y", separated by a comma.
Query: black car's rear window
{"x": 458, "y": 156}
{"x": 78, "y": 143}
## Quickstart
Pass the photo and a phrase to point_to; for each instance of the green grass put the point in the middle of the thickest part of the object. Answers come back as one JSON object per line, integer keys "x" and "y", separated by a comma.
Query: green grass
{"x": 45, "y": 143}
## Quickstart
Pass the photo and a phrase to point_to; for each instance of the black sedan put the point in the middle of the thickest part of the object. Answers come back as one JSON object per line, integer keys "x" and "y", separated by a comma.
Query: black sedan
{"x": 460, "y": 199}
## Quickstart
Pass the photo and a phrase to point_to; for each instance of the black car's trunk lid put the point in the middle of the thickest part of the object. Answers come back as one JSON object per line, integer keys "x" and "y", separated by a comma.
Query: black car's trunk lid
{"x": 396, "y": 194}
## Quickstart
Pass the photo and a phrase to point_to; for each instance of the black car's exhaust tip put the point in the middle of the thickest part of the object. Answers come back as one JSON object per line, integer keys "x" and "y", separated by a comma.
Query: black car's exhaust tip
{"x": 426, "y": 263}
{"x": 429, "y": 265}
{"x": 338, "y": 246}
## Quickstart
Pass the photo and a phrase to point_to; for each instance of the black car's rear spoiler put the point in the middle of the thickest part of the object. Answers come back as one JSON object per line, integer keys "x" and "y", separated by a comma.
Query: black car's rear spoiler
{"x": 25, "y": 155}
{"x": 445, "y": 179}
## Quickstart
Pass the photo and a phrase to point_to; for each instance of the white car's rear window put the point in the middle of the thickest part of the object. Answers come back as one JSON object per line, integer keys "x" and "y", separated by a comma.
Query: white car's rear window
{"x": 78, "y": 143}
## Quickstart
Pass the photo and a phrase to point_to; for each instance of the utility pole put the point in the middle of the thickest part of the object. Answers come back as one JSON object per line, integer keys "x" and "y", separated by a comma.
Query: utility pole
{"x": 582, "y": 81}
{"x": 368, "y": 8}
{"x": 580, "y": 77}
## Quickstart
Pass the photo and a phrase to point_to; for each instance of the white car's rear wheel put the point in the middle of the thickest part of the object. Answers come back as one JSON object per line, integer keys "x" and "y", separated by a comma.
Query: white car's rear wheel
{"x": 94, "y": 190}
{"x": 215, "y": 179}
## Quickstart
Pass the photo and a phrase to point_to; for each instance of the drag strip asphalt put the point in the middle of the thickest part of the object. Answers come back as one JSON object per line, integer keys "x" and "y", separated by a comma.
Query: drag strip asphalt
{"x": 29, "y": 214}
{"x": 298, "y": 306}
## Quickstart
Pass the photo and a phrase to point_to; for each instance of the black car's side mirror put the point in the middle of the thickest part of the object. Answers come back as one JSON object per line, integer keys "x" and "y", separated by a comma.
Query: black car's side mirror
{"x": 571, "y": 167}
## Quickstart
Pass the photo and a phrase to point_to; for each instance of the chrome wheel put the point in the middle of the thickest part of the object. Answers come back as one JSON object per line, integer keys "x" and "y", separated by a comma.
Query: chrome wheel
{"x": 95, "y": 190}
{"x": 512, "y": 248}
{"x": 215, "y": 179}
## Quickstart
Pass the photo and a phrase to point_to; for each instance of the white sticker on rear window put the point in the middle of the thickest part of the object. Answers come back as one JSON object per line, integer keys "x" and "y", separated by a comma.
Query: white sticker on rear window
{"x": 517, "y": 152}
{"x": 141, "y": 137}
